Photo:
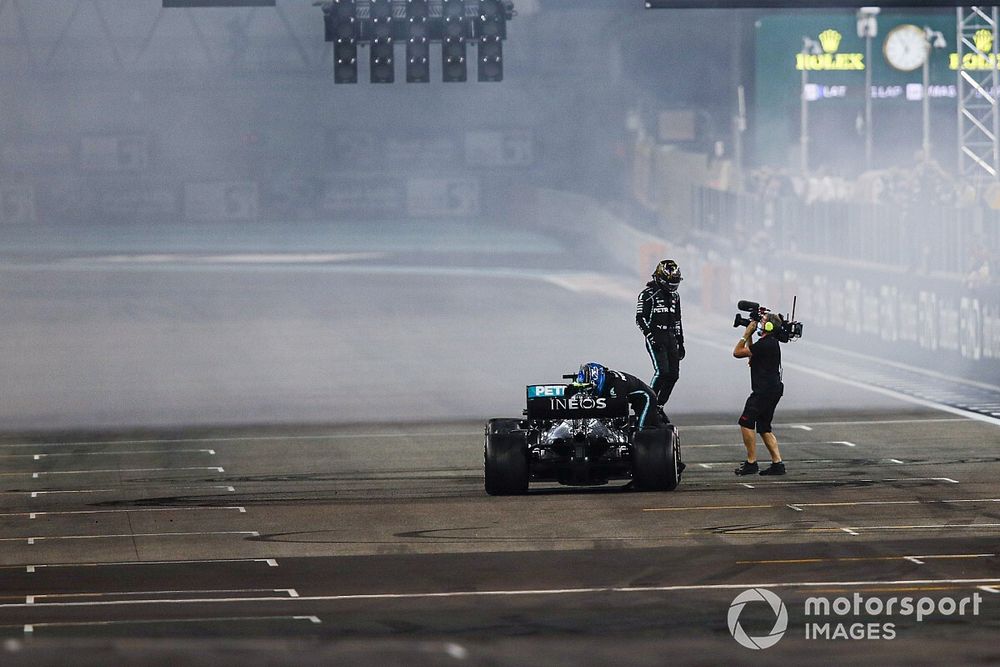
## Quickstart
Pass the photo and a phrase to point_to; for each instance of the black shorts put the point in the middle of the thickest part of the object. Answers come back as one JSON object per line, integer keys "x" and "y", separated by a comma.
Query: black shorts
{"x": 759, "y": 411}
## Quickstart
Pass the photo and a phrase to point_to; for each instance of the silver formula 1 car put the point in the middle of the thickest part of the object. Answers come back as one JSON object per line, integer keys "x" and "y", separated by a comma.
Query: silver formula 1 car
{"x": 577, "y": 440}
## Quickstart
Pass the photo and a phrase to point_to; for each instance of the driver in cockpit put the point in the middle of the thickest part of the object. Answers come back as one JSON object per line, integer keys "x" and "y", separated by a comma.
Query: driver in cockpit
{"x": 607, "y": 383}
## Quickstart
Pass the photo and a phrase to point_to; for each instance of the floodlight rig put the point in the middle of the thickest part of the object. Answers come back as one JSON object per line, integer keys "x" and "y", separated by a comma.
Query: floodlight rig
{"x": 380, "y": 24}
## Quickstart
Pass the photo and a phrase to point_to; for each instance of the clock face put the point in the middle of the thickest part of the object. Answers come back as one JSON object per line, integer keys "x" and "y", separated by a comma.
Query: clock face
{"x": 905, "y": 47}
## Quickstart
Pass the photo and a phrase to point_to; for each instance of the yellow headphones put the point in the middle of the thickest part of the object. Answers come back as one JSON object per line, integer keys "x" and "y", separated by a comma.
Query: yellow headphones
{"x": 768, "y": 326}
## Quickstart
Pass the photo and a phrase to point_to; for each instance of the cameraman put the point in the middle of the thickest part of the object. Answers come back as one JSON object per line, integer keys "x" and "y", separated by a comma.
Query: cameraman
{"x": 767, "y": 389}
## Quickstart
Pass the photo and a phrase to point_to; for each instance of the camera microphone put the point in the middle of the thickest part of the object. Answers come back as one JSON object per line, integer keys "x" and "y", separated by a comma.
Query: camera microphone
{"x": 749, "y": 306}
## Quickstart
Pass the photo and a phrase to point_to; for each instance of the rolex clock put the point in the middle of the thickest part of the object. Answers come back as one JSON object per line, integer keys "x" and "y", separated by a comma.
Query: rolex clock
{"x": 905, "y": 47}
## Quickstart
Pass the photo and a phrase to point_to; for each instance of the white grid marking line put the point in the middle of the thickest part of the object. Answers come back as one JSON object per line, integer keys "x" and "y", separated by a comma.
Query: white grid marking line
{"x": 34, "y": 515}
{"x": 991, "y": 581}
{"x": 348, "y": 436}
{"x": 35, "y": 475}
{"x": 792, "y": 444}
{"x": 830, "y": 504}
{"x": 248, "y": 438}
{"x": 30, "y": 628}
{"x": 270, "y": 562}
{"x": 35, "y": 494}
{"x": 948, "y": 480}
{"x": 33, "y": 599}
{"x": 847, "y": 462}
{"x": 32, "y": 540}
{"x": 41, "y": 455}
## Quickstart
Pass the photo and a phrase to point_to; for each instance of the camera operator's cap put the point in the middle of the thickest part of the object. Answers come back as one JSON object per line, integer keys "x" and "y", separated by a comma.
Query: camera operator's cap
{"x": 668, "y": 271}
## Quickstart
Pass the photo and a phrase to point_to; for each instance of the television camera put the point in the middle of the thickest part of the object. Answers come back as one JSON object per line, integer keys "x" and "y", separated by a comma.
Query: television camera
{"x": 789, "y": 329}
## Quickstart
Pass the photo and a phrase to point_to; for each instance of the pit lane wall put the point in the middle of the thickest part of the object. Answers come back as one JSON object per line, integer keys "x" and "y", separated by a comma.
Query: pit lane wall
{"x": 930, "y": 318}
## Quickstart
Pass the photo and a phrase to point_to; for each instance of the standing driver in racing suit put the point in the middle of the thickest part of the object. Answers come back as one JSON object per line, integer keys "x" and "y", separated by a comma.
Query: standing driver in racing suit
{"x": 658, "y": 315}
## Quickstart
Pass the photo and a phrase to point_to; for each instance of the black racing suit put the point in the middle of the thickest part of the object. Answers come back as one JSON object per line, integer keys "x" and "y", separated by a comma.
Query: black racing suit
{"x": 658, "y": 315}
{"x": 640, "y": 397}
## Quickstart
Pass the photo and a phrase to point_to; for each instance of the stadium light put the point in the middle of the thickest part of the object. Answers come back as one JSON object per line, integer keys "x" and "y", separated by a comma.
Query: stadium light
{"x": 453, "y": 63}
{"x": 380, "y": 56}
{"x": 341, "y": 28}
{"x": 418, "y": 69}
{"x": 378, "y": 24}
{"x": 491, "y": 28}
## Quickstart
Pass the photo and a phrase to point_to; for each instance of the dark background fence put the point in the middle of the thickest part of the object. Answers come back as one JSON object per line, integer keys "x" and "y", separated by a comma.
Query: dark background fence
{"x": 916, "y": 237}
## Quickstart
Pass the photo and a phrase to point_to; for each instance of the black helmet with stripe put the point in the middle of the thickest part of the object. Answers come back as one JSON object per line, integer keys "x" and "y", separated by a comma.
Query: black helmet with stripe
{"x": 668, "y": 274}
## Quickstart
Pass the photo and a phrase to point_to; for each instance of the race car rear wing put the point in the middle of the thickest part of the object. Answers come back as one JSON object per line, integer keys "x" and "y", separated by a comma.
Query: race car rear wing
{"x": 559, "y": 401}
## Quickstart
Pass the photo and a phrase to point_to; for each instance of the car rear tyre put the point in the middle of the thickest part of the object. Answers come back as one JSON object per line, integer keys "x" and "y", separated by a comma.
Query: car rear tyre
{"x": 655, "y": 458}
{"x": 505, "y": 458}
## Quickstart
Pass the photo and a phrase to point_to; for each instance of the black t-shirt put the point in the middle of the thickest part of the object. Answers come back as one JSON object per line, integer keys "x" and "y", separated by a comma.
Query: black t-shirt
{"x": 765, "y": 365}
